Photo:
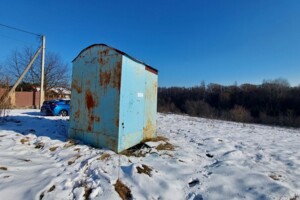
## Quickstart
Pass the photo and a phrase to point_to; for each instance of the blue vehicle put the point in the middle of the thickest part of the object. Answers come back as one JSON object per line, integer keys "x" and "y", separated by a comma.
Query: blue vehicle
{"x": 59, "y": 107}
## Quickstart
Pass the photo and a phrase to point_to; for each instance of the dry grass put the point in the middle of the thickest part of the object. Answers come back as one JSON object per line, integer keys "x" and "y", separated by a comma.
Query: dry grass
{"x": 104, "y": 156}
{"x": 157, "y": 139}
{"x": 144, "y": 169}
{"x": 53, "y": 148}
{"x": 3, "y": 168}
{"x": 69, "y": 143}
{"x": 77, "y": 149}
{"x": 70, "y": 162}
{"x": 23, "y": 140}
{"x": 166, "y": 146}
{"x": 141, "y": 149}
{"x": 123, "y": 190}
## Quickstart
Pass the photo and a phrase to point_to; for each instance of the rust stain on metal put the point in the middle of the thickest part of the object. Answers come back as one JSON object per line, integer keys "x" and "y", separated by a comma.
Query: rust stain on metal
{"x": 117, "y": 75}
{"x": 104, "y": 52}
{"x": 101, "y": 61}
{"x": 76, "y": 86}
{"x": 77, "y": 114}
{"x": 148, "y": 129}
{"x": 90, "y": 104}
{"x": 89, "y": 100}
{"x": 105, "y": 77}
{"x": 110, "y": 77}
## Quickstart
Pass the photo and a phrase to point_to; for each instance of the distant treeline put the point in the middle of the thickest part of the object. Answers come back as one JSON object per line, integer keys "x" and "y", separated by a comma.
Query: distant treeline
{"x": 273, "y": 102}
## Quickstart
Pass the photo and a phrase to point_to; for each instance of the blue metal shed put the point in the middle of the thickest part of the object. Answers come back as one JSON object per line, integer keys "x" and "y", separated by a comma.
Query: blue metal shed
{"x": 114, "y": 99}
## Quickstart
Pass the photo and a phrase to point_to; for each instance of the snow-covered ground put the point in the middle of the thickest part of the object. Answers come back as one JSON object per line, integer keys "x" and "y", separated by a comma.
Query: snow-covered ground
{"x": 211, "y": 160}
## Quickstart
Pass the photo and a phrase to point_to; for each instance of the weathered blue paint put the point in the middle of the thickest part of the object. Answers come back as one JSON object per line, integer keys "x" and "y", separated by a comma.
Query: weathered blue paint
{"x": 108, "y": 105}
{"x": 132, "y": 103}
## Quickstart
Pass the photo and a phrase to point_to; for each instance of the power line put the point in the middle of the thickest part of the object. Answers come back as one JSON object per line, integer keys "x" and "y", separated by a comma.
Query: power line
{"x": 17, "y": 29}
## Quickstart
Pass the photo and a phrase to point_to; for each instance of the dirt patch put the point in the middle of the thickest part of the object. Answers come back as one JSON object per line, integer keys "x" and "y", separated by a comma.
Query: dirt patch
{"x": 3, "y": 168}
{"x": 104, "y": 156}
{"x": 123, "y": 190}
{"x": 144, "y": 169}
{"x": 52, "y": 188}
{"x": 53, "y": 148}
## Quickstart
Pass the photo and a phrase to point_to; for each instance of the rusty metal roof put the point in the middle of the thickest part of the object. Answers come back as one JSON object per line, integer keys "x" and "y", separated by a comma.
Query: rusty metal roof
{"x": 117, "y": 50}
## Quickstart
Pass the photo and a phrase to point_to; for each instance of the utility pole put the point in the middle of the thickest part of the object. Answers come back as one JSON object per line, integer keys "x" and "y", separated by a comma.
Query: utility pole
{"x": 42, "y": 92}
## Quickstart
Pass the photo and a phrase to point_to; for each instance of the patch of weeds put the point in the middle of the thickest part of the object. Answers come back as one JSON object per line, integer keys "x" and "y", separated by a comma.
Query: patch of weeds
{"x": 275, "y": 177}
{"x": 3, "y": 168}
{"x": 52, "y": 188}
{"x": 39, "y": 145}
{"x": 6, "y": 176}
{"x": 123, "y": 191}
{"x": 53, "y": 148}
{"x": 104, "y": 156}
{"x": 144, "y": 169}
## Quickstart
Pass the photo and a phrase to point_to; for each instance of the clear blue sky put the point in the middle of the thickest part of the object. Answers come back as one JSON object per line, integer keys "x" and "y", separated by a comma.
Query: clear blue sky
{"x": 219, "y": 41}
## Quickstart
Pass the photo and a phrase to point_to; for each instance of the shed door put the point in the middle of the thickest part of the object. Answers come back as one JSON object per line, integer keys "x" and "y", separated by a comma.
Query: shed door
{"x": 132, "y": 104}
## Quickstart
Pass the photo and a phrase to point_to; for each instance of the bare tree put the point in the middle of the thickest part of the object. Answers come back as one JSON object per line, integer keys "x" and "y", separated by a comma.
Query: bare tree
{"x": 57, "y": 73}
